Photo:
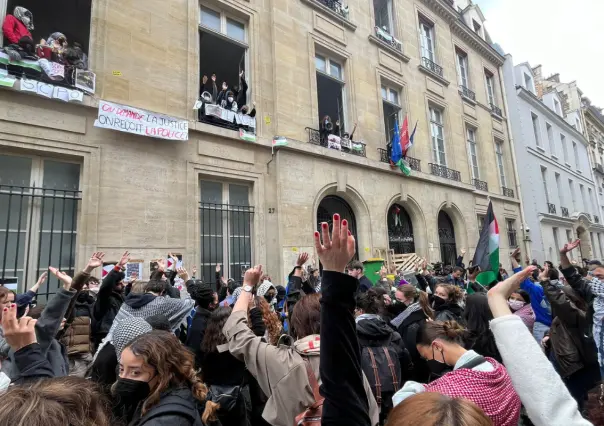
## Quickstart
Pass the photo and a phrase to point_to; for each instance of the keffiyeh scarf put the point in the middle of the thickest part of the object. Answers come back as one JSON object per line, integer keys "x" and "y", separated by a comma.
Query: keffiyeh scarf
{"x": 597, "y": 288}
{"x": 127, "y": 331}
{"x": 25, "y": 16}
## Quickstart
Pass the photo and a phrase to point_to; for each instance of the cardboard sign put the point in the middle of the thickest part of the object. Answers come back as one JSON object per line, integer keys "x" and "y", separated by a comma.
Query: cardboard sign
{"x": 140, "y": 122}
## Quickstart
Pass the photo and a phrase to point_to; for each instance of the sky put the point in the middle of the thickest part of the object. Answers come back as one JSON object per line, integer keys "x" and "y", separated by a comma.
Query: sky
{"x": 566, "y": 37}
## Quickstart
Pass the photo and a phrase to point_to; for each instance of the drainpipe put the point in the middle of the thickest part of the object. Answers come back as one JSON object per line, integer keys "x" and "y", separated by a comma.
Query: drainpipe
{"x": 527, "y": 243}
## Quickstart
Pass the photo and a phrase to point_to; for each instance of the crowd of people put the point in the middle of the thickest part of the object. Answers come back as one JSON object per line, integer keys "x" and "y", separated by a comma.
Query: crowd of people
{"x": 230, "y": 98}
{"x": 330, "y": 347}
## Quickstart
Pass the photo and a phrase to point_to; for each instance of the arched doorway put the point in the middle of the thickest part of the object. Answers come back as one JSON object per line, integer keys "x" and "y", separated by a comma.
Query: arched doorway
{"x": 400, "y": 230}
{"x": 446, "y": 236}
{"x": 332, "y": 204}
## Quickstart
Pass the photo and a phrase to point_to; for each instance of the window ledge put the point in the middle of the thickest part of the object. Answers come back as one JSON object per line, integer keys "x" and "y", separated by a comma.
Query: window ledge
{"x": 579, "y": 171}
{"x": 540, "y": 148}
{"x": 496, "y": 116}
{"x": 433, "y": 75}
{"x": 322, "y": 8}
{"x": 467, "y": 99}
{"x": 383, "y": 45}
{"x": 555, "y": 157}
{"x": 567, "y": 165}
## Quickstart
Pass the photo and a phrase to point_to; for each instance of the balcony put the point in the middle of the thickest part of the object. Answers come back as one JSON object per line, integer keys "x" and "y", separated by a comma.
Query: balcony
{"x": 507, "y": 192}
{"x": 389, "y": 39}
{"x": 480, "y": 185}
{"x": 336, "y": 6}
{"x": 496, "y": 110}
{"x": 588, "y": 216}
{"x": 414, "y": 163}
{"x": 335, "y": 142}
{"x": 467, "y": 93}
{"x": 444, "y": 172}
{"x": 551, "y": 208}
{"x": 564, "y": 212}
{"x": 599, "y": 168}
{"x": 432, "y": 67}
{"x": 215, "y": 115}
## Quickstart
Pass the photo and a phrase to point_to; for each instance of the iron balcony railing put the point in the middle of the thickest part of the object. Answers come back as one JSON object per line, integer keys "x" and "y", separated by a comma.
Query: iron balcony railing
{"x": 551, "y": 208}
{"x": 564, "y": 212}
{"x": 355, "y": 148}
{"x": 414, "y": 163}
{"x": 467, "y": 93}
{"x": 387, "y": 38}
{"x": 432, "y": 66}
{"x": 480, "y": 185}
{"x": 442, "y": 171}
{"x": 507, "y": 192}
{"x": 588, "y": 216}
{"x": 336, "y": 6}
{"x": 496, "y": 110}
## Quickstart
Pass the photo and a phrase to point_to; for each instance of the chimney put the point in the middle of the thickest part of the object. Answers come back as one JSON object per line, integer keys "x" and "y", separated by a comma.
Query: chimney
{"x": 554, "y": 78}
{"x": 538, "y": 81}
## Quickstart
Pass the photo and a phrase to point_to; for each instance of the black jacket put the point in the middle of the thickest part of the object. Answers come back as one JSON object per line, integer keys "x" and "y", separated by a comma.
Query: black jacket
{"x": 222, "y": 368}
{"x": 408, "y": 332}
{"x": 340, "y": 364}
{"x": 32, "y": 364}
{"x": 104, "y": 369}
{"x": 197, "y": 332}
{"x": 108, "y": 303}
{"x": 484, "y": 344}
{"x": 448, "y": 312}
{"x": 364, "y": 284}
{"x": 176, "y": 407}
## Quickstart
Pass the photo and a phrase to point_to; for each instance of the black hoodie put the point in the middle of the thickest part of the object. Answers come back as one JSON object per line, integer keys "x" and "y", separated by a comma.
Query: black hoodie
{"x": 137, "y": 300}
{"x": 448, "y": 312}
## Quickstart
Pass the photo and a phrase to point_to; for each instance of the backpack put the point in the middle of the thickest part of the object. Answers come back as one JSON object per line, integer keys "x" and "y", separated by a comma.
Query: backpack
{"x": 382, "y": 368}
{"x": 312, "y": 415}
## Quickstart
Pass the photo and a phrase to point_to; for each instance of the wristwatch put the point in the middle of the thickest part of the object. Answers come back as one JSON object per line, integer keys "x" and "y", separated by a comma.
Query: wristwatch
{"x": 248, "y": 288}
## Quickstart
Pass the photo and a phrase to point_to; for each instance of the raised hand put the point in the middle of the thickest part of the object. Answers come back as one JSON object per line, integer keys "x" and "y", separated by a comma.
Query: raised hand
{"x": 95, "y": 261}
{"x": 161, "y": 265}
{"x": 498, "y": 296}
{"x": 218, "y": 268}
{"x": 336, "y": 251}
{"x": 194, "y": 270}
{"x": 18, "y": 333}
{"x": 570, "y": 246}
{"x": 124, "y": 259}
{"x": 62, "y": 276}
{"x": 544, "y": 275}
{"x": 252, "y": 276}
{"x": 183, "y": 274}
{"x": 463, "y": 252}
{"x": 302, "y": 258}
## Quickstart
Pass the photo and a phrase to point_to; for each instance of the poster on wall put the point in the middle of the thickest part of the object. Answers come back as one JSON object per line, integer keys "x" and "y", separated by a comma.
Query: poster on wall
{"x": 134, "y": 270}
{"x": 140, "y": 122}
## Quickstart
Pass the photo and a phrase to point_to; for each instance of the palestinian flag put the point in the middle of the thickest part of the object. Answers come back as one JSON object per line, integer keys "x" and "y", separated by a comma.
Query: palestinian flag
{"x": 487, "y": 250}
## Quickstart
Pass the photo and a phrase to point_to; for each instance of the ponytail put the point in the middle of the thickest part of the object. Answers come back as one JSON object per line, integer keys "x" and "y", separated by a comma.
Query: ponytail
{"x": 449, "y": 331}
{"x": 424, "y": 303}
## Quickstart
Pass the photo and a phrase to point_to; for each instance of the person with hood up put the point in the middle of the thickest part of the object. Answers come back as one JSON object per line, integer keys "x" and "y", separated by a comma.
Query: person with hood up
{"x": 446, "y": 303}
{"x": 109, "y": 300}
{"x": 482, "y": 380}
{"x": 158, "y": 380}
{"x": 19, "y": 24}
{"x": 150, "y": 303}
{"x": 269, "y": 292}
{"x": 380, "y": 347}
{"x": 281, "y": 370}
{"x": 539, "y": 303}
{"x": 205, "y": 302}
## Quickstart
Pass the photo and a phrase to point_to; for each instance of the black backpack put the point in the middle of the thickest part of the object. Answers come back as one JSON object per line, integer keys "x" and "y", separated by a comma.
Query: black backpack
{"x": 382, "y": 368}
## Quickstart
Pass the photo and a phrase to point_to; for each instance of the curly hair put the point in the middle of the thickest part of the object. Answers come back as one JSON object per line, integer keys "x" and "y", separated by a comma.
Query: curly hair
{"x": 455, "y": 294}
{"x": 271, "y": 320}
{"x": 174, "y": 366}
{"x": 56, "y": 402}
{"x": 213, "y": 335}
{"x": 371, "y": 302}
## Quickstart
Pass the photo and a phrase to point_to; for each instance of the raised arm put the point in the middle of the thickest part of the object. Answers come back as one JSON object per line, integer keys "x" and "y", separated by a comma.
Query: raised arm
{"x": 340, "y": 367}
{"x": 572, "y": 276}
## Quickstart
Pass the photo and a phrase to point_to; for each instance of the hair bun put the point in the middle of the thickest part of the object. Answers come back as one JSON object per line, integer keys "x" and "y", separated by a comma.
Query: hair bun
{"x": 453, "y": 329}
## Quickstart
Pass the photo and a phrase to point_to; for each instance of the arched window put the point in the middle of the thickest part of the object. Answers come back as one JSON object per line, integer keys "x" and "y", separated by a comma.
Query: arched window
{"x": 400, "y": 230}
{"x": 333, "y": 204}
{"x": 446, "y": 236}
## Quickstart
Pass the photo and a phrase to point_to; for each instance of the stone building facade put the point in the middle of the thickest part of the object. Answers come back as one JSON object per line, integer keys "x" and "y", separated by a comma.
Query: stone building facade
{"x": 216, "y": 198}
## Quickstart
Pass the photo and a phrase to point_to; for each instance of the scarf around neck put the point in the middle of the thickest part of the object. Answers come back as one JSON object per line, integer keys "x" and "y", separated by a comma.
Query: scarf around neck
{"x": 25, "y": 16}
{"x": 414, "y": 307}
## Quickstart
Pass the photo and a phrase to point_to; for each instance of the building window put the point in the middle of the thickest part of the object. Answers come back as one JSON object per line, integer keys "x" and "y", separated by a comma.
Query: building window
{"x": 557, "y": 107}
{"x": 472, "y": 152}
{"x": 571, "y": 189}
{"x": 480, "y": 219}
{"x": 490, "y": 87}
{"x": 392, "y": 110}
{"x": 226, "y": 218}
{"x": 593, "y": 245}
{"x": 462, "y": 68}
{"x": 556, "y": 244}
{"x": 583, "y": 200}
{"x": 569, "y": 239}
{"x": 591, "y": 201}
{"x": 477, "y": 27}
{"x": 564, "y": 149}
{"x": 330, "y": 92}
{"x": 500, "y": 163}
{"x": 576, "y": 154}
{"x": 578, "y": 123}
{"x": 536, "y": 130}
{"x": 559, "y": 187}
{"x": 426, "y": 30}
{"x": 544, "y": 181}
{"x": 600, "y": 244}
{"x": 550, "y": 139}
{"x": 438, "y": 139}
{"x": 528, "y": 83}
{"x": 39, "y": 201}
{"x": 223, "y": 55}
{"x": 383, "y": 15}
{"x": 511, "y": 227}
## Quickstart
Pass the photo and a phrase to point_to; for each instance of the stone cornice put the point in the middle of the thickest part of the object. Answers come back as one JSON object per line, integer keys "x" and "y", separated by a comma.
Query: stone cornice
{"x": 458, "y": 27}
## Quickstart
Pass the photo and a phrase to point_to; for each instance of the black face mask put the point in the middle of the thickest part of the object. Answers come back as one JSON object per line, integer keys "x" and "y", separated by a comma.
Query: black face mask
{"x": 438, "y": 302}
{"x": 131, "y": 392}
{"x": 437, "y": 368}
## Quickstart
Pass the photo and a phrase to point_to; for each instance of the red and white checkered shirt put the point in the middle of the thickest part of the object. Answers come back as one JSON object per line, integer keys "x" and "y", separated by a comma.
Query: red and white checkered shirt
{"x": 492, "y": 391}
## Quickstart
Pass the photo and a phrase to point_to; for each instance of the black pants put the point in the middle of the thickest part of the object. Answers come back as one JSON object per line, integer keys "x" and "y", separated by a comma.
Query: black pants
{"x": 580, "y": 382}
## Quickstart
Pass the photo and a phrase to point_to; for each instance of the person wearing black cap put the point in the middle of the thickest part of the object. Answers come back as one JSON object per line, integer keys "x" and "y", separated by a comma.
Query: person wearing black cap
{"x": 206, "y": 300}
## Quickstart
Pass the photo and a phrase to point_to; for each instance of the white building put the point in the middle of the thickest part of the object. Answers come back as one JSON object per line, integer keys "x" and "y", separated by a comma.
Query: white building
{"x": 556, "y": 179}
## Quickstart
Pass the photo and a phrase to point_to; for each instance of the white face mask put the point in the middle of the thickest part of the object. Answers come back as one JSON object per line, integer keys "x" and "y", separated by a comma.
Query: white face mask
{"x": 515, "y": 304}
{"x": 230, "y": 99}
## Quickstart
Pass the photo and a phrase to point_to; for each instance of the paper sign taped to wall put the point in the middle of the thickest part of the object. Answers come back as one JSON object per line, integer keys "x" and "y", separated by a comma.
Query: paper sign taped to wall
{"x": 116, "y": 73}
{"x": 134, "y": 267}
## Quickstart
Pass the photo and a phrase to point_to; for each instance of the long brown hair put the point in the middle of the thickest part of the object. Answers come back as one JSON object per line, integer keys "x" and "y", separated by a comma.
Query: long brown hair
{"x": 434, "y": 409}
{"x": 213, "y": 335}
{"x": 455, "y": 294}
{"x": 424, "y": 303}
{"x": 306, "y": 316}
{"x": 174, "y": 366}
{"x": 58, "y": 401}
{"x": 270, "y": 319}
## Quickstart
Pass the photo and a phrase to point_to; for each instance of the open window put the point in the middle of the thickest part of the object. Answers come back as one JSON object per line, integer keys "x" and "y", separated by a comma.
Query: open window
{"x": 69, "y": 17}
{"x": 223, "y": 53}
{"x": 391, "y": 104}
{"x": 330, "y": 94}
{"x": 383, "y": 15}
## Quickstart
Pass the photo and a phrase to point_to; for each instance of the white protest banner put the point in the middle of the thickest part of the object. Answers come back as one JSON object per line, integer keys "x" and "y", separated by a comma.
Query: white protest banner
{"x": 333, "y": 142}
{"x": 49, "y": 91}
{"x": 140, "y": 122}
